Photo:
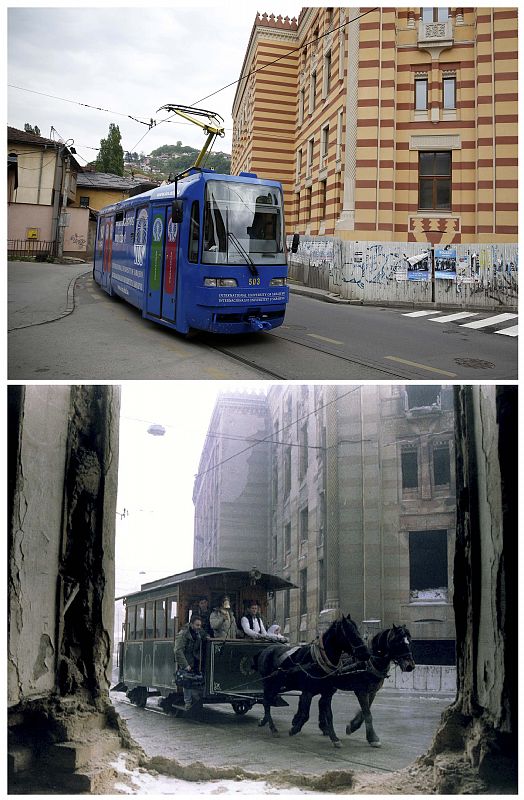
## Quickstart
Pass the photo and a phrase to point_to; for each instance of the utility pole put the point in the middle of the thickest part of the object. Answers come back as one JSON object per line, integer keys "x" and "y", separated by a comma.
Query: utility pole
{"x": 63, "y": 218}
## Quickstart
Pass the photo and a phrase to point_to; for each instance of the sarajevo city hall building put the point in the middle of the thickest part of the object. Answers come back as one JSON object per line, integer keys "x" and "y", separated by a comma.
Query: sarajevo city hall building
{"x": 348, "y": 492}
{"x": 385, "y": 124}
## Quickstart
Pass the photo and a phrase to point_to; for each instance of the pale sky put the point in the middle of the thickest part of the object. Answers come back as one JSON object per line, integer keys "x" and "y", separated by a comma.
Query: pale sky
{"x": 156, "y": 475}
{"x": 130, "y": 60}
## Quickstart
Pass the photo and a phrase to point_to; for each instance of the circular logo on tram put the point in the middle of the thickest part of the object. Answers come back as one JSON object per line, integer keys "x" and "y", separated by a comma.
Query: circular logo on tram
{"x": 141, "y": 227}
{"x": 246, "y": 665}
{"x": 158, "y": 227}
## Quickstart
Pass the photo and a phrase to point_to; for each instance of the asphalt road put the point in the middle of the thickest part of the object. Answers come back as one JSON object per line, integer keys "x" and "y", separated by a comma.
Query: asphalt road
{"x": 62, "y": 326}
{"x": 405, "y": 721}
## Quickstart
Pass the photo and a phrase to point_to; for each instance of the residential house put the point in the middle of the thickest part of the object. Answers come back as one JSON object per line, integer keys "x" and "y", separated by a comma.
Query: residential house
{"x": 42, "y": 176}
{"x": 95, "y": 190}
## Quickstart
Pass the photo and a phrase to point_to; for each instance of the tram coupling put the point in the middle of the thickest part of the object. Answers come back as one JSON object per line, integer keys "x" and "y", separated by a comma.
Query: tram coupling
{"x": 258, "y": 324}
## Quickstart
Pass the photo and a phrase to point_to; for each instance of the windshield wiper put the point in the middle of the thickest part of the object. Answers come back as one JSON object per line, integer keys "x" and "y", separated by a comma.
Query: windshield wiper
{"x": 253, "y": 270}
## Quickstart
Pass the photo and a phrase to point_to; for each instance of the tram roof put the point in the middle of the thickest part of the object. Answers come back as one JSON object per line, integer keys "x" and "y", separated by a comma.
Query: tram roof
{"x": 231, "y": 579}
{"x": 167, "y": 190}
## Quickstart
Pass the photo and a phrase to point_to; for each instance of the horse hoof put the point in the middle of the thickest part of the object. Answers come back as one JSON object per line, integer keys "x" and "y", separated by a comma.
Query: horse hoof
{"x": 375, "y": 744}
{"x": 275, "y": 734}
{"x": 337, "y": 744}
{"x": 348, "y": 730}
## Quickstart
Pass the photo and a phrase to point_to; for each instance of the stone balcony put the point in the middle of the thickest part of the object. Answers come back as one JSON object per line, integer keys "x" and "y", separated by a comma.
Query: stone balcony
{"x": 435, "y": 36}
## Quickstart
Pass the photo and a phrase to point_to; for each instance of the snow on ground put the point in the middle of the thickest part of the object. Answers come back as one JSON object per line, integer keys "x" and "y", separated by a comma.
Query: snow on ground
{"x": 140, "y": 781}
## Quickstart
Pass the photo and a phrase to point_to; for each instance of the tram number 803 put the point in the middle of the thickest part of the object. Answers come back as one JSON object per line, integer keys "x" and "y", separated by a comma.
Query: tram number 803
{"x": 254, "y": 281}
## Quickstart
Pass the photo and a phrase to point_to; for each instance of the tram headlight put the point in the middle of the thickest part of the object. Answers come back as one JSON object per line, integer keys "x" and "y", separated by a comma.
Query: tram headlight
{"x": 220, "y": 282}
{"x": 278, "y": 282}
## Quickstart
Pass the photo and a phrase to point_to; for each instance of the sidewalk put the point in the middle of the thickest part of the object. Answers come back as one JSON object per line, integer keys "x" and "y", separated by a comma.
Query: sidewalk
{"x": 31, "y": 300}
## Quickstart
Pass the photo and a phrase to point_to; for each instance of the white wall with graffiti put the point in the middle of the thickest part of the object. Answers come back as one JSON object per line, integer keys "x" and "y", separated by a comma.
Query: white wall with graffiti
{"x": 480, "y": 276}
{"x": 76, "y": 233}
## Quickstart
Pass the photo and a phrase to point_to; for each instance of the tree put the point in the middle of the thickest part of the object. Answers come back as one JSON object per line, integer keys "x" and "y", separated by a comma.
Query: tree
{"x": 111, "y": 156}
{"x": 32, "y": 129}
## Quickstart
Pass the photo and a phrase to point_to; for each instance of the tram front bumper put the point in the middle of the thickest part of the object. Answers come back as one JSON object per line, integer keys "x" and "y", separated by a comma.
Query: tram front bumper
{"x": 241, "y": 311}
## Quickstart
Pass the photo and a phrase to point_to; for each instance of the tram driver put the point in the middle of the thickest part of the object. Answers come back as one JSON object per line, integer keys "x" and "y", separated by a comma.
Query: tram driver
{"x": 189, "y": 657}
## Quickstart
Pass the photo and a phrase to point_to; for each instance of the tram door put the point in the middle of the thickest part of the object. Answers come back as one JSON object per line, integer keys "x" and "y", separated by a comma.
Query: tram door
{"x": 107, "y": 250}
{"x": 161, "y": 282}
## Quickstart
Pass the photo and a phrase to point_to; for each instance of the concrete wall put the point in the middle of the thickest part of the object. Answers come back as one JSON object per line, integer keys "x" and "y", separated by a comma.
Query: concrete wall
{"x": 37, "y": 526}
{"x": 424, "y": 678}
{"x": 76, "y": 233}
{"x": 365, "y": 272}
{"x": 22, "y": 216}
{"x": 63, "y": 460}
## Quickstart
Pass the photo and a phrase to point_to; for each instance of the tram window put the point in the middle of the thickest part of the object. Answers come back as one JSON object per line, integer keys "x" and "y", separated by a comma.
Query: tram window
{"x": 131, "y": 622}
{"x": 194, "y": 232}
{"x": 118, "y": 227}
{"x": 140, "y": 613}
{"x": 149, "y": 621}
{"x": 171, "y": 617}
{"x": 160, "y": 619}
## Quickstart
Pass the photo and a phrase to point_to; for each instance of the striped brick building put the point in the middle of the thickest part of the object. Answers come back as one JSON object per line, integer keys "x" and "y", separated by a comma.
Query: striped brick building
{"x": 387, "y": 124}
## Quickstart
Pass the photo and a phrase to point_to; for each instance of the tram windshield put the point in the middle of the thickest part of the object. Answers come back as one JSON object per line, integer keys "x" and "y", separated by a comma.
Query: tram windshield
{"x": 243, "y": 223}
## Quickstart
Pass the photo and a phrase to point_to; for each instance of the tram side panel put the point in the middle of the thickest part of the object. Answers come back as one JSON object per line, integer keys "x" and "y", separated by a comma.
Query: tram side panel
{"x": 229, "y": 667}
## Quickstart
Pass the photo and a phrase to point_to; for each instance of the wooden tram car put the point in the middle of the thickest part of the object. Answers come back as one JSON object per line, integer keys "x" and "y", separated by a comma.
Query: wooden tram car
{"x": 155, "y": 614}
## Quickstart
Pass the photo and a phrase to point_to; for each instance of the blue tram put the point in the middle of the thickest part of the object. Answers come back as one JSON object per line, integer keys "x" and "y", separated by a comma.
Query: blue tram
{"x": 206, "y": 252}
{"x": 154, "y": 616}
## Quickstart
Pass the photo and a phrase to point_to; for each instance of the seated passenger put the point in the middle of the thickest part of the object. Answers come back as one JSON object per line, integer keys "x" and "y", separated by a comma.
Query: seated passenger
{"x": 201, "y": 608}
{"x": 276, "y": 631}
{"x": 222, "y": 620}
{"x": 251, "y": 623}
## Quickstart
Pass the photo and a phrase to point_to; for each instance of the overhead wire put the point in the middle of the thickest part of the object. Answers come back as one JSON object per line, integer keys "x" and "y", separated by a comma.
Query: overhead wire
{"x": 152, "y": 124}
{"x": 265, "y": 66}
{"x": 275, "y": 433}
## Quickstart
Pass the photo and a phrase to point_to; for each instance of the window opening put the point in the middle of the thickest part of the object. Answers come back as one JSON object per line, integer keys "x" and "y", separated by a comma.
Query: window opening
{"x": 409, "y": 460}
{"x": 428, "y": 565}
{"x": 435, "y": 180}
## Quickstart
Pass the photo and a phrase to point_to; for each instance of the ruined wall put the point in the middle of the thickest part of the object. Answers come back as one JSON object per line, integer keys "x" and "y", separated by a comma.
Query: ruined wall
{"x": 63, "y": 459}
{"x": 481, "y": 726}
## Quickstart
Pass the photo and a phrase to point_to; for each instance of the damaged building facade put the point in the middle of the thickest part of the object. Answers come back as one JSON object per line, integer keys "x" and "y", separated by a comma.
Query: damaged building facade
{"x": 62, "y": 475}
{"x": 347, "y": 492}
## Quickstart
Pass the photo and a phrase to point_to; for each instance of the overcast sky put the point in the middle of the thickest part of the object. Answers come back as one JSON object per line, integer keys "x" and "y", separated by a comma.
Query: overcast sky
{"x": 156, "y": 474}
{"x": 130, "y": 60}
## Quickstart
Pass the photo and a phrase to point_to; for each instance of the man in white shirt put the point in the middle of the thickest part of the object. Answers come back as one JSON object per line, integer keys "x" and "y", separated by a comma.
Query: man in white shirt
{"x": 253, "y": 627}
{"x": 251, "y": 623}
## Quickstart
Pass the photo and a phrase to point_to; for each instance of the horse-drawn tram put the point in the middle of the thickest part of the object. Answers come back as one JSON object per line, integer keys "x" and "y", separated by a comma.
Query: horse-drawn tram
{"x": 156, "y": 614}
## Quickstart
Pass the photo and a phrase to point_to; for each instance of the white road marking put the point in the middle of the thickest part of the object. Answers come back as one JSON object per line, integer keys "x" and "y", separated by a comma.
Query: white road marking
{"x": 324, "y": 338}
{"x": 421, "y": 366}
{"x": 513, "y": 331}
{"x": 483, "y": 323}
{"x": 453, "y": 317}
{"x": 420, "y": 313}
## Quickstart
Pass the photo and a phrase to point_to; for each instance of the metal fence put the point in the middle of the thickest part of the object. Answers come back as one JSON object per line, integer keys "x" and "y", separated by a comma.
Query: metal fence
{"x": 29, "y": 248}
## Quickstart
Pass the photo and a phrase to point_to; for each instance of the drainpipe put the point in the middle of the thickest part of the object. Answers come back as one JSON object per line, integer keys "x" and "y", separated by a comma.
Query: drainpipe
{"x": 40, "y": 175}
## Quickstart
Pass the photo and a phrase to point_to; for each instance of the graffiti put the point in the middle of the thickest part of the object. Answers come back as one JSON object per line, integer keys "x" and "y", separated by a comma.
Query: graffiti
{"x": 481, "y": 275}
{"x": 81, "y": 241}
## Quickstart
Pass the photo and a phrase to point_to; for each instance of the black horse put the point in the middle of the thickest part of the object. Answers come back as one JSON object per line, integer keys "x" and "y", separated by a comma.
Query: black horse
{"x": 393, "y": 644}
{"x": 308, "y": 668}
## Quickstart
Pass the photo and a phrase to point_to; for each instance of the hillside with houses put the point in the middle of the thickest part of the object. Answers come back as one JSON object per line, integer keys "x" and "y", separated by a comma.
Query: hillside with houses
{"x": 170, "y": 160}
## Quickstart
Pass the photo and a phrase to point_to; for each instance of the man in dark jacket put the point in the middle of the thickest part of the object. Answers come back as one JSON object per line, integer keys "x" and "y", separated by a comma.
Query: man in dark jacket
{"x": 189, "y": 657}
